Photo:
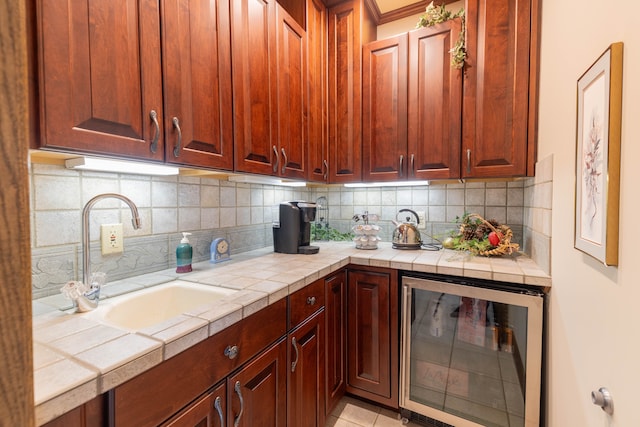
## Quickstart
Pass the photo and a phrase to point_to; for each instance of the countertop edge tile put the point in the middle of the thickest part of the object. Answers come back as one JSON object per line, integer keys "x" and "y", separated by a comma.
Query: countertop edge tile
{"x": 124, "y": 373}
{"x": 186, "y": 341}
{"x": 398, "y": 265}
{"x": 508, "y": 277}
{"x": 61, "y": 377}
{"x": 478, "y": 274}
{"x": 225, "y": 321}
{"x": 65, "y": 402}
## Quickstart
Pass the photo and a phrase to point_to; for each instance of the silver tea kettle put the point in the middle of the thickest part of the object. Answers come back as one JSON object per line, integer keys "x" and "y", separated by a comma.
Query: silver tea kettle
{"x": 406, "y": 234}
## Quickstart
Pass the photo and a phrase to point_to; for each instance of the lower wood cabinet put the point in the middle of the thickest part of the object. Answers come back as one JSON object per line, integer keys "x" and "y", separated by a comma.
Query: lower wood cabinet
{"x": 257, "y": 394}
{"x": 335, "y": 310}
{"x": 306, "y": 373}
{"x": 372, "y": 331}
{"x": 253, "y": 396}
{"x": 158, "y": 394}
{"x": 306, "y": 368}
{"x": 295, "y": 360}
{"x": 207, "y": 411}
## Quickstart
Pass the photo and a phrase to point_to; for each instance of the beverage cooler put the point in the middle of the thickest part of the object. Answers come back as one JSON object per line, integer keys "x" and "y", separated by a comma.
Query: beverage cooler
{"x": 471, "y": 352}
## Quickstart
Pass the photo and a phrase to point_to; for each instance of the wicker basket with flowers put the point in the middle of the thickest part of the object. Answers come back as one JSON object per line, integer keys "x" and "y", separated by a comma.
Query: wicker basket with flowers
{"x": 481, "y": 237}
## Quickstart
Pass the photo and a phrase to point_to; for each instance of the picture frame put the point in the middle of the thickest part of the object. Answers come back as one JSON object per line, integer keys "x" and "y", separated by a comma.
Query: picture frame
{"x": 598, "y": 140}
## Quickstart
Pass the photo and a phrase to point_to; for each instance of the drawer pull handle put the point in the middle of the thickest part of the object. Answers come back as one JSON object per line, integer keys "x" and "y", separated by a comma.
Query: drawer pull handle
{"x": 325, "y": 165}
{"x": 236, "y": 421}
{"x": 311, "y": 300}
{"x": 401, "y": 167}
{"x": 231, "y": 351}
{"x": 218, "y": 405}
{"x": 156, "y": 135}
{"x": 295, "y": 347}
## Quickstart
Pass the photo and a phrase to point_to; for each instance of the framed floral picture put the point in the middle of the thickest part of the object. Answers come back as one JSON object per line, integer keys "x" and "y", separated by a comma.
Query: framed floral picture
{"x": 598, "y": 157}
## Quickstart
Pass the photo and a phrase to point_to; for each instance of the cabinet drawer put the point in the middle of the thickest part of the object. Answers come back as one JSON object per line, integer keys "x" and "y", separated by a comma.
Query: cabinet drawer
{"x": 154, "y": 396}
{"x": 305, "y": 302}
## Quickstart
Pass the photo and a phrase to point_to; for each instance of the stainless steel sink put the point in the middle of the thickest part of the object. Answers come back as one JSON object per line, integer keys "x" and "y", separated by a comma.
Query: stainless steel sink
{"x": 147, "y": 307}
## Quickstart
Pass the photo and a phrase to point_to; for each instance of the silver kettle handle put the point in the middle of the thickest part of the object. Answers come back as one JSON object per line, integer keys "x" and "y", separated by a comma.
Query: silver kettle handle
{"x": 413, "y": 212}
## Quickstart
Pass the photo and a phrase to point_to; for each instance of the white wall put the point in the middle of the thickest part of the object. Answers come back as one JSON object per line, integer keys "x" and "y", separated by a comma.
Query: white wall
{"x": 594, "y": 310}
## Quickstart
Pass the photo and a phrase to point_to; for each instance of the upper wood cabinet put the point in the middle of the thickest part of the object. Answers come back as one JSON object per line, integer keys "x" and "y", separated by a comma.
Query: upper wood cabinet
{"x": 384, "y": 115}
{"x": 131, "y": 78}
{"x": 349, "y": 28}
{"x": 435, "y": 103}
{"x": 478, "y": 123}
{"x": 253, "y": 39}
{"x": 197, "y": 83}
{"x": 412, "y": 106}
{"x": 100, "y": 77}
{"x": 269, "y": 89}
{"x": 293, "y": 131}
{"x": 500, "y": 88}
{"x": 318, "y": 148}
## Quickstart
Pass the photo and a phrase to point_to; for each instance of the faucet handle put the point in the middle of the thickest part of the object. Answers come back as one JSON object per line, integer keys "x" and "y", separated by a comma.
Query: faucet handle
{"x": 73, "y": 289}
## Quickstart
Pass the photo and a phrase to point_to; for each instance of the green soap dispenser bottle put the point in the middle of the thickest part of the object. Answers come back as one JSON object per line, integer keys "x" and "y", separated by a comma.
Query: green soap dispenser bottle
{"x": 184, "y": 253}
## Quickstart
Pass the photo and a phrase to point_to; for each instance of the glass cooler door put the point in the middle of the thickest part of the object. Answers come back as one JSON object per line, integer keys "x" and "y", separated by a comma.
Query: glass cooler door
{"x": 471, "y": 356}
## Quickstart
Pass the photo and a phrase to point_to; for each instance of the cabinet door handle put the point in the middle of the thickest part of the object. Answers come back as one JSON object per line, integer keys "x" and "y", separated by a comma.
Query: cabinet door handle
{"x": 176, "y": 149}
{"x": 311, "y": 300}
{"x": 412, "y": 165}
{"x": 468, "y": 160}
{"x": 295, "y": 347}
{"x": 326, "y": 169}
{"x": 401, "y": 165}
{"x": 284, "y": 161}
{"x": 238, "y": 390}
{"x": 231, "y": 351}
{"x": 275, "y": 165}
{"x": 154, "y": 142}
{"x": 218, "y": 405}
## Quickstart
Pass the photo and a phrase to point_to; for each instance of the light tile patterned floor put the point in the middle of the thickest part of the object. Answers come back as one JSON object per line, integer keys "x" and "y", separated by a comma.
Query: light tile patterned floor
{"x": 351, "y": 412}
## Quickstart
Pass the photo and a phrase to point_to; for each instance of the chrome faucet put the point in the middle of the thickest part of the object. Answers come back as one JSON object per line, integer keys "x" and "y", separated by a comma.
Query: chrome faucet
{"x": 89, "y": 300}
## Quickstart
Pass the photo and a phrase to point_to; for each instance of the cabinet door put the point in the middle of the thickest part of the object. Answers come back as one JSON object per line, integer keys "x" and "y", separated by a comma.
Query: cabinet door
{"x": 496, "y": 88}
{"x": 335, "y": 347}
{"x": 257, "y": 394}
{"x": 253, "y": 39}
{"x": 384, "y": 109}
{"x": 101, "y": 77}
{"x": 208, "y": 411}
{"x": 317, "y": 59}
{"x": 372, "y": 336}
{"x": 348, "y": 30}
{"x": 435, "y": 103}
{"x": 306, "y": 374}
{"x": 197, "y": 83}
{"x": 293, "y": 129}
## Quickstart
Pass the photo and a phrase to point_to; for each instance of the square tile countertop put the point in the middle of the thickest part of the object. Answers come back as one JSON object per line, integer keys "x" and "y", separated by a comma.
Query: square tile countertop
{"x": 77, "y": 358}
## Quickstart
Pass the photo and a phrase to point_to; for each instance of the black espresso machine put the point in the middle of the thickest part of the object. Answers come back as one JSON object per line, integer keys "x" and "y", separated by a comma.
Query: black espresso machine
{"x": 292, "y": 228}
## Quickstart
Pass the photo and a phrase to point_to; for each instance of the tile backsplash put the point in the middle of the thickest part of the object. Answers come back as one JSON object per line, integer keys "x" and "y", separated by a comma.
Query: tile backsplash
{"x": 243, "y": 213}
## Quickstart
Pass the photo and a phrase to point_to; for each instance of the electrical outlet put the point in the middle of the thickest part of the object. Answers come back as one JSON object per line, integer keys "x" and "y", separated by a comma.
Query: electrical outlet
{"x": 422, "y": 223}
{"x": 111, "y": 238}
